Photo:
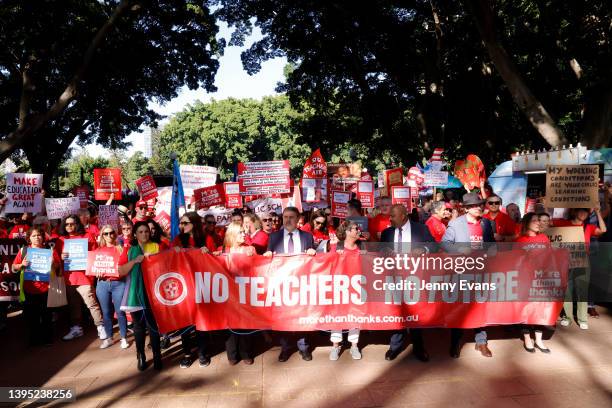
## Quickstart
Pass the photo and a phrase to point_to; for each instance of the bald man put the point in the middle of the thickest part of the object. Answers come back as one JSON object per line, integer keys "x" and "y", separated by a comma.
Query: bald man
{"x": 404, "y": 231}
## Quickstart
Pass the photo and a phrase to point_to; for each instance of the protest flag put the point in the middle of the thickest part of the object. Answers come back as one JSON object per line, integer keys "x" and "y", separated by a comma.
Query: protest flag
{"x": 178, "y": 200}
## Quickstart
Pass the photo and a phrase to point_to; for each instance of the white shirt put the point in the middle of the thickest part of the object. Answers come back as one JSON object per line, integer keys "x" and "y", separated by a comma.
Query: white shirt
{"x": 297, "y": 244}
{"x": 406, "y": 232}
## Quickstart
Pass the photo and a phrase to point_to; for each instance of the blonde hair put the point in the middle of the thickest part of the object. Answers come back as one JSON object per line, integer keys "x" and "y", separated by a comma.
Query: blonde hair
{"x": 254, "y": 219}
{"x": 101, "y": 242}
{"x": 231, "y": 235}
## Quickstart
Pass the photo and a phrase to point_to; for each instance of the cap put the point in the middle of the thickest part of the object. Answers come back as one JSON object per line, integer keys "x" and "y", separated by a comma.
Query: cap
{"x": 141, "y": 202}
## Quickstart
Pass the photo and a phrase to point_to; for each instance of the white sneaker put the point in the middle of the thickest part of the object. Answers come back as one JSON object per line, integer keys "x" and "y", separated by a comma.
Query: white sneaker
{"x": 584, "y": 326}
{"x": 75, "y": 331}
{"x": 565, "y": 322}
{"x": 334, "y": 354}
{"x": 106, "y": 343}
{"x": 102, "y": 332}
{"x": 355, "y": 353}
{"x": 124, "y": 343}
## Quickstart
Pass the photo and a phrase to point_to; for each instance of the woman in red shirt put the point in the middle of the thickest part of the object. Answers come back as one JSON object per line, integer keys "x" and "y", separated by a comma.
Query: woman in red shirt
{"x": 110, "y": 292}
{"x": 254, "y": 236}
{"x": 192, "y": 237}
{"x": 36, "y": 313}
{"x": 78, "y": 285}
{"x": 318, "y": 227}
{"x": 531, "y": 239}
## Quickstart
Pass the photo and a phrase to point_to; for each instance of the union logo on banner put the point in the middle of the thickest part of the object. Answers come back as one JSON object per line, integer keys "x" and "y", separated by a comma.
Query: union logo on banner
{"x": 170, "y": 289}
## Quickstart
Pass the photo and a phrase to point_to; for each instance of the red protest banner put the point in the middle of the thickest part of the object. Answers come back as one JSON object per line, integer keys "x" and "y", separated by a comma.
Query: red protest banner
{"x": 83, "y": 193}
{"x": 9, "y": 281}
{"x": 401, "y": 195}
{"x": 315, "y": 166}
{"x": 365, "y": 193}
{"x": 264, "y": 178}
{"x": 339, "y": 199}
{"x": 233, "y": 199}
{"x": 333, "y": 291}
{"x": 146, "y": 187}
{"x": 107, "y": 183}
{"x": 210, "y": 196}
{"x": 103, "y": 262}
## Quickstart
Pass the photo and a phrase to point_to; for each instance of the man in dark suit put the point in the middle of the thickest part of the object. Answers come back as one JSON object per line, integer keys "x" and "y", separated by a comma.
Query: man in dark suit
{"x": 290, "y": 240}
{"x": 403, "y": 233}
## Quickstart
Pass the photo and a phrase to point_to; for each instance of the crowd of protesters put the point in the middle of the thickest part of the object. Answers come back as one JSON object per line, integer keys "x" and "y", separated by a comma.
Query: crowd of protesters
{"x": 448, "y": 218}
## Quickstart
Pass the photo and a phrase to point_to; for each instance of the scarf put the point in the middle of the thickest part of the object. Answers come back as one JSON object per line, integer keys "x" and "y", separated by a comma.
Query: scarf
{"x": 134, "y": 295}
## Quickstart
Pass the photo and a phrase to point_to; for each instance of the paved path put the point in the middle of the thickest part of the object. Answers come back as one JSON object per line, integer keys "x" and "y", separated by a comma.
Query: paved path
{"x": 578, "y": 373}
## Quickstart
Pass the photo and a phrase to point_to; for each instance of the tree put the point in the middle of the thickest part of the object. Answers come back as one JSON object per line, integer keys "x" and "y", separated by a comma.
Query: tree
{"x": 85, "y": 70}
{"x": 81, "y": 165}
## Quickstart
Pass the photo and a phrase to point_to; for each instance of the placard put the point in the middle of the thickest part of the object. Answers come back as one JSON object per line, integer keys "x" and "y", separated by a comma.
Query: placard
{"x": 23, "y": 193}
{"x": 365, "y": 193}
{"x": 164, "y": 220}
{"x": 9, "y": 280}
{"x": 58, "y": 208}
{"x": 339, "y": 200}
{"x": 194, "y": 177}
{"x": 314, "y": 190}
{"x": 40, "y": 264}
{"x": 393, "y": 177}
{"x": 571, "y": 238}
{"x": 107, "y": 183}
{"x": 103, "y": 262}
{"x": 146, "y": 187}
{"x": 264, "y": 178}
{"x": 77, "y": 254}
{"x": 82, "y": 192}
{"x": 436, "y": 178}
{"x": 210, "y": 196}
{"x": 108, "y": 214}
{"x": 572, "y": 186}
{"x": 266, "y": 205}
{"x": 361, "y": 221}
{"x": 233, "y": 199}
{"x": 401, "y": 195}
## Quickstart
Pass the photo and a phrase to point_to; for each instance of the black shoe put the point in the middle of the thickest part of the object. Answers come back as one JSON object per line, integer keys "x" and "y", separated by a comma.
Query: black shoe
{"x": 455, "y": 351}
{"x": 186, "y": 362}
{"x": 543, "y": 350}
{"x": 157, "y": 362}
{"x": 421, "y": 354}
{"x": 284, "y": 356}
{"x": 204, "y": 361}
{"x": 164, "y": 342}
{"x": 142, "y": 361}
{"x": 529, "y": 350}
{"x": 306, "y": 355}
{"x": 391, "y": 354}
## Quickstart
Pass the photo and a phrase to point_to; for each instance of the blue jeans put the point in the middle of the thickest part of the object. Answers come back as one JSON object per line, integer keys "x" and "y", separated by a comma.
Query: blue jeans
{"x": 109, "y": 294}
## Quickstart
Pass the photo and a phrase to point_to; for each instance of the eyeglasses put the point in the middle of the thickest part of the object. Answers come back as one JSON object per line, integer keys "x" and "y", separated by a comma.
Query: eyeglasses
{"x": 267, "y": 220}
{"x": 143, "y": 207}
{"x": 109, "y": 233}
{"x": 184, "y": 223}
{"x": 70, "y": 224}
{"x": 319, "y": 222}
{"x": 494, "y": 202}
{"x": 211, "y": 222}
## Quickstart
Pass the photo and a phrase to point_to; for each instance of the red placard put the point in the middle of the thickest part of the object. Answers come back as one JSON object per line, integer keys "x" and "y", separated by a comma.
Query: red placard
{"x": 315, "y": 167}
{"x": 233, "y": 199}
{"x": 338, "y": 203}
{"x": 401, "y": 195}
{"x": 103, "y": 262}
{"x": 365, "y": 193}
{"x": 394, "y": 177}
{"x": 163, "y": 219}
{"x": 146, "y": 187}
{"x": 470, "y": 172}
{"x": 107, "y": 183}
{"x": 264, "y": 178}
{"x": 83, "y": 193}
{"x": 210, "y": 196}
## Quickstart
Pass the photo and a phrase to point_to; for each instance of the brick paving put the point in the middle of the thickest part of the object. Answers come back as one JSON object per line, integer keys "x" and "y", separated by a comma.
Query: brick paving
{"x": 578, "y": 373}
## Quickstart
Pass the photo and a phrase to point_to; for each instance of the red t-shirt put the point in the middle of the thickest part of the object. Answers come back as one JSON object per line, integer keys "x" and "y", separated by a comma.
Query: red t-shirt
{"x": 376, "y": 225}
{"x": 319, "y": 236}
{"x": 476, "y": 237}
{"x": 77, "y": 278}
{"x": 19, "y": 231}
{"x": 34, "y": 287}
{"x": 436, "y": 227}
{"x": 503, "y": 223}
{"x": 539, "y": 241}
{"x": 176, "y": 242}
{"x": 3, "y": 233}
{"x": 259, "y": 241}
{"x": 93, "y": 230}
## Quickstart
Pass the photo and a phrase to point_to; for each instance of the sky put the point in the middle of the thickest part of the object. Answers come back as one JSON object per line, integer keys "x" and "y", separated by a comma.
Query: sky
{"x": 231, "y": 81}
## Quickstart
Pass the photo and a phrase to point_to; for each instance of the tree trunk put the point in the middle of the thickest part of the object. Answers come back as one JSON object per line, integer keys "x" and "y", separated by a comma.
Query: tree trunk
{"x": 598, "y": 116}
{"x": 522, "y": 95}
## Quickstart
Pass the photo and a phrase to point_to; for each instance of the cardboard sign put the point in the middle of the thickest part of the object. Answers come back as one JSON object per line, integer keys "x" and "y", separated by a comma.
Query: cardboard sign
{"x": 103, "y": 262}
{"x": 233, "y": 199}
{"x": 365, "y": 193}
{"x": 264, "y": 178}
{"x": 40, "y": 264}
{"x": 401, "y": 195}
{"x": 571, "y": 238}
{"x": 146, "y": 187}
{"x": 194, "y": 177}
{"x": 77, "y": 254}
{"x": 435, "y": 178}
{"x": 108, "y": 214}
{"x": 210, "y": 196}
{"x": 339, "y": 200}
{"x": 9, "y": 280}
{"x": 572, "y": 186}
{"x": 107, "y": 183}
{"x": 314, "y": 190}
{"x": 58, "y": 208}
{"x": 23, "y": 193}
{"x": 82, "y": 193}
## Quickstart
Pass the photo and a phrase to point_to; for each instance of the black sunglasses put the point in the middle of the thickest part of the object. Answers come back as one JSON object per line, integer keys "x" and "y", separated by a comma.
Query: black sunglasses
{"x": 494, "y": 202}
{"x": 266, "y": 219}
{"x": 109, "y": 233}
{"x": 184, "y": 223}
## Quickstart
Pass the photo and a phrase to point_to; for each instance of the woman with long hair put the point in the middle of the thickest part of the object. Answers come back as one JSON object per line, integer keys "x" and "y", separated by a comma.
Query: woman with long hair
{"x": 135, "y": 298}
{"x": 110, "y": 291}
{"x": 254, "y": 235}
{"x": 318, "y": 227}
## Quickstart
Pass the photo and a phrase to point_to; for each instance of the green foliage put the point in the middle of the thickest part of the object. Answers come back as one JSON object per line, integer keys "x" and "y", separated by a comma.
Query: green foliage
{"x": 82, "y": 164}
